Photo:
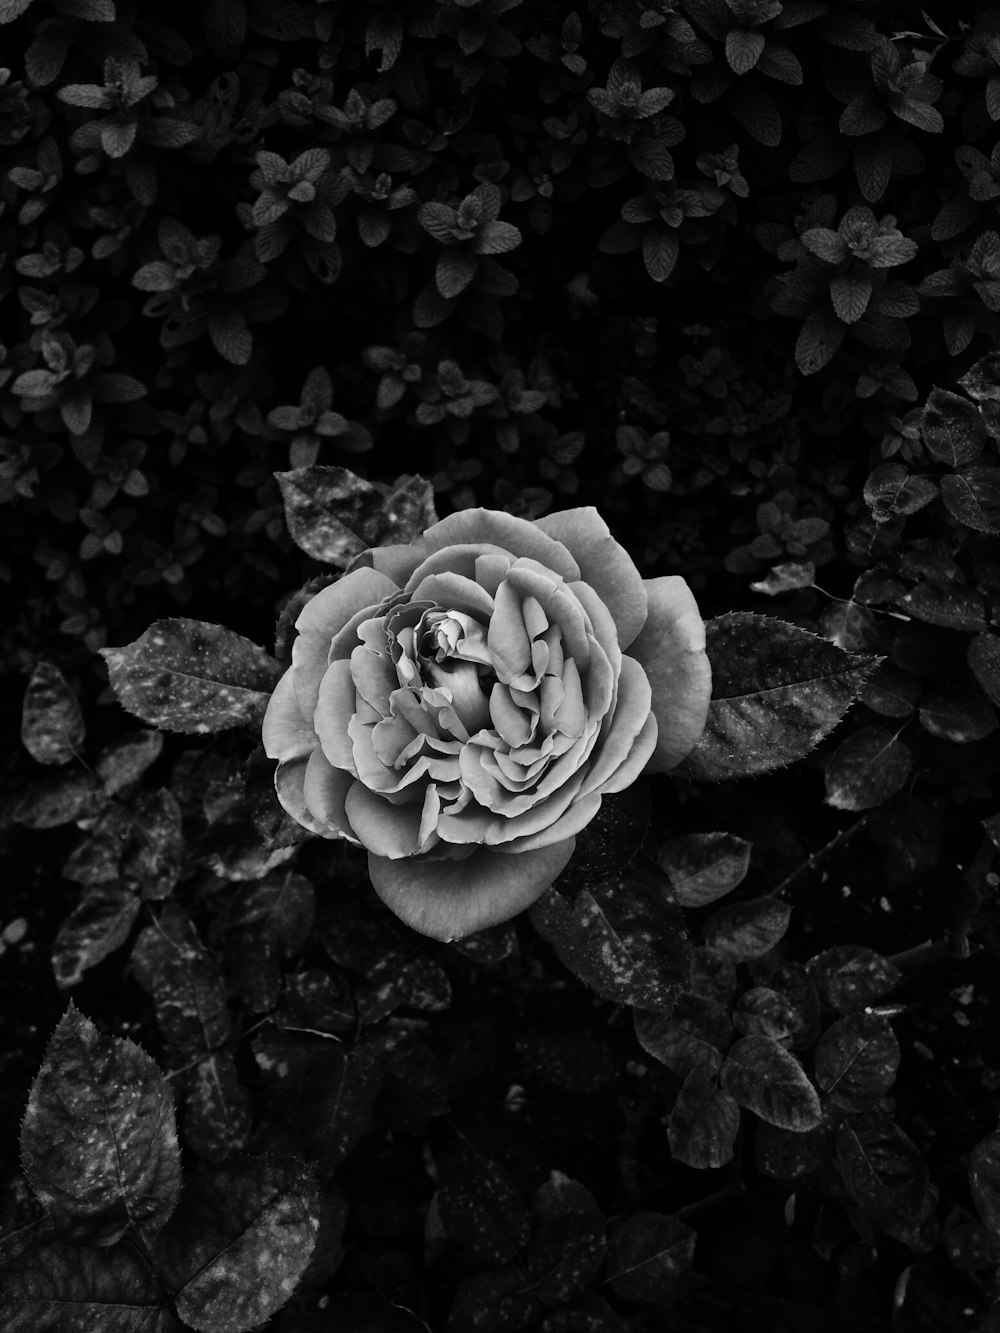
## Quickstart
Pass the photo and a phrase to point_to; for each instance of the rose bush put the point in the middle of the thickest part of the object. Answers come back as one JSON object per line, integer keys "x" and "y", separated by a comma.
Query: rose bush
{"x": 459, "y": 705}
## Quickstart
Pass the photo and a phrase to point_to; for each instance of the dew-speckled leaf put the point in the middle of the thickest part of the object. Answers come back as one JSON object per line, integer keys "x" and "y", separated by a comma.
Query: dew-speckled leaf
{"x": 59, "y": 800}
{"x": 943, "y": 602}
{"x": 267, "y": 923}
{"x": 217, "y": 1115}
{"x": 747, "y": 929}
{"x": 333, "y": 515}
{"x": 703, "y": 867}
{"x": 96, "y": 859}
{"x": 866, "y": 769}
{"x": 479, "y": 1206}
{"x": 763, "y": 1012}
{"x": 627, "y": 942}
{"x": 241, "y": 1239}
{"x": 856, "y": 1060}
{"x": 973, "y": 497}
{"x": 768, "y": 1080}
{"x": 952, "y": 429}
{"x": 786, "y": 1154}
{"x": 850, "y": 976}
{"x": 685, "y": 1039}
{"x": 154, "y": 854}
{"x": 647, "y": 1255}
{"x": 57, "y": 1287}
{"x": 99, "y": 924}
{"x": 567, "y": 1249}
{"x": 52, "y": 726}
{"x": 126, "y": 759}
{"x": 704, "y": 1121}
{"x": 982, "y": 380}
{"x": 187, "y": 675}
{"x": 777, "y": 690}
{"x": 984, "y": 1181}
{"x": 886, "y": 1176}
{"x": 957, "y": 712}
{"x": 98, "y": 1140}
{"x": 491, "y": 1301}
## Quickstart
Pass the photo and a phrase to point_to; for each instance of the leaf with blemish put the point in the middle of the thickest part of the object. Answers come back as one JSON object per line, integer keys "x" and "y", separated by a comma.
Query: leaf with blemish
{"x": 703, "y": 867}
{"x": 98, "y": 1141}
{"x": 647, "y": 1254}
{"x": 705, "y": 1120}
{"x": 333, "y": 515}
{"x": 777, "y": 690}
{"x": 266, "y": 925}
{"x": 190, "y": 676}
{"x": 52, "y": 727}
{"x": 57, "y": 1287}
{"x": 856, "y": 1061}
{"x": 99, "y": 924}
{"x": 239, "y": 1242}
{"x": 768, "y": 1080}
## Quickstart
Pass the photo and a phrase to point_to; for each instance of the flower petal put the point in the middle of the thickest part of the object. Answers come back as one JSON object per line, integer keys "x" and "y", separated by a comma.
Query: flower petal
{"x": 335, "y": 707}
{"x": 396, "y": 562}
{"x": 448, "y": 900}
{"x": 517, "y": 535}
{"x": 671, "y": 650}
{"x": 604, "y": 564}
{"x": 389, "y": 831}
{"x": 324, "y": 789}
{"x": 288, "y": 783}
{"x": 632, "y": 710}
{"x": 285, "y": 732}
{"x": 333, "y": 606}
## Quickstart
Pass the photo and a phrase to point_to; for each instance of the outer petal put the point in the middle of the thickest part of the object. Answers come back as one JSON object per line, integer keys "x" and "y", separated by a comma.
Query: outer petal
{"x": 285, "y": 732}
{"x": 288, "y": 780}
{"x": 628, "y": 726}
{"x": 671, "y": 650}
{"x": 324, "y": 789}
{"x": 397, "y": 562}
{"x": 450, "y": 899}
{"x": 516, "y": 535}
{"x": 334, "y": 605}
{"x": 604, "y": 564}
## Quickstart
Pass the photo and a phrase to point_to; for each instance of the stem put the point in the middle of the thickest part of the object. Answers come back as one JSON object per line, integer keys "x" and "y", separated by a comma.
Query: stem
{"x": 843, "y": 837}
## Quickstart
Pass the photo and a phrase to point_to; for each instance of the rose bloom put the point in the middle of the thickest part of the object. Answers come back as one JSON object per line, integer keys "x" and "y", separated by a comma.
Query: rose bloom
{"x": 459, "y": 706}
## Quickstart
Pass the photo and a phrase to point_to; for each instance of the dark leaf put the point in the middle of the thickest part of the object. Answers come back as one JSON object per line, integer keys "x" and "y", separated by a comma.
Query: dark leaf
{"x": 647, "y": 1255}
{"x": 625, "y": 941}
{"x": 818, "y": 341}
{"x": 777, "y": 690}
{"x": 943, "y": 602}
{"x": 52, "y": 727}
{"x": 704, "y": 1121}
{"x": 957, "y": 712}
{"x": 856, "y": 1060}
{"x": 268, "y": 923}
{"x": 335, "y": 1091}
{"x": 490, "y": 1302}
{"x": 127, "y": 758}
{"x": 891, "y": 490}
{"x": 982, "y": 381}
{"x": 850, "y": 977}
{"x": 186, "y": 675}
{"x": 886, "y": 1176}
{"x": 62, "y": 1288}
{"x": 984, "y": 1181}
{"x": 768, "y": 1080}
{"x": 239, "y": 1242}
{"x": 973, "y": 497}
{"x": 98, "y": 1141}
{"x": 480, "y": 1207}
{"x": 866, "y": 769}
{"x": 952, "y": 429}
{"x": 747, "y": 929}
{"x": 334, "y": 515}
{"x": 100, "y": 923}
{"x": 785, "y": 1154}
{"x": 703, "y": 867}
{"x": 154, "y": 854}
{"x": 567, "y": 1249}
{"x": 59, "y": 800}
{"x": 764, "y": 1012}
{"x": 984, "y": 659}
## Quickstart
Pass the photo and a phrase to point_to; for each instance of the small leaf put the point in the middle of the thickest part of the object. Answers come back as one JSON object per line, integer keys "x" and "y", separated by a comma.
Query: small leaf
{"x": 703, "y": 867}
{"x": 704, "y": 1121}
{"x": 480, "y": 1207}
{"x": 785, "y": 1154}
{"x": 763, "y": 1012}
{"x": 267, "y": 924}
{"x": 626, "y": 942}
{"x": 891, "y": 490}
{"x": 126, "y": 759}
{"x": 59, "y": 800}
{"x": 242, "y": 1237}
{"x": 957, "y": 713}
{"x": 973, "y": 497}
{"x": 768, "y": 1080}
{"x": 153, "y": 858}
{"x": 850, "y": 296}
{"x": 333, "y": 515}
{"x": 52, "y": 727}
{"x": 866, "y": 769}
{"x": 567, "y": 1250}
{"x": 186, "y": 675}
{"x": 849, "y": 976}
{"x": 984, "y": 659}
{"x": 647, "y": 1255}
{"x": 747, "y": 929}
{"x": 952, "y": 429}
{"x": 57, "y": 1287}
{"x": 984, "y": 1181}
{"x": 943, "y": 602}
{"x": 856, "y": 1060}
{"x": 818, "y": 341}
{"x": 99, "y": 924}
{"x": 777, "y": 690}
{"x": 982, "y": 381}
{"x": 786, "y": 578}
{"x": 98, "y": 1141}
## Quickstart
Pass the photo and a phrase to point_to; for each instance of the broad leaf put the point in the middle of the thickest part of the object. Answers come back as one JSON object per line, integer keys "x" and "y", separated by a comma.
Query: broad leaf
{"x": 984, "y": 1181}
{"x": 777, "y": 690}
{"x": 886, "y": 1176}
{"x": 703, "y": 867}
{"x": 748, "y": 929}
{"x": 240, "y": 1241}
{"x": 52, "y": 727}
{"x": 98, "y": 1141}
{"x": 186, "y": 675}
{"x": 984, "y": 659}
{"x": 266, "y": 925}
{"x": 627, "y": 942}
{"x": 943, "y": 602}
{"x": 866, "y": 769}
{"x": 333, "y": 515}
{"x": 957, "y": 712}
{"x": 125, "y": 760}
{"x": 479, "y": 1206}
{"x": 567, "y": 1250}
{"x": 154, "y": 854}
{"x": 850, "y": 976}
{"x": 973, "y": 497}
{"x": 59, "y": 800}
{"x": 856, "y": 1061}
{"x": 647, "y": 1254}
{"x": 704, "y": 1121}
{"x": 763, "y": 1012}
{"x": 768, "y": 1080}
{"x": 63, "y": 1288}
{"x": 952, "y": 429}
{"x": 99, "y": 924}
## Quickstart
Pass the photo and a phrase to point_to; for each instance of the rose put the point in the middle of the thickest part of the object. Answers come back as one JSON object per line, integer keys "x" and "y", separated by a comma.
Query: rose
{"x": 459, "y": 706}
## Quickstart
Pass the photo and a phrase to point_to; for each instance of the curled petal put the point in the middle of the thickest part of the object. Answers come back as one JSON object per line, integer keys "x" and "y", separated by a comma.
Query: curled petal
{"x": 285, "y": 732}
{"x": 394, "y": 830}
{"x": 517, "y": 535}
{"x": 631, "y": 714}
{"x": 671, "y": 650}
{"x": 448, "y": 900}
{"x": 604, "y": 564}
{"x": 333, "y": 606}
{"x": 396, "y": 562}
{"x": 324, "y": 790}
{"x": 335, "y": 707}
{"x": 289, "y": 778}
